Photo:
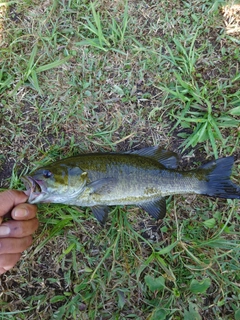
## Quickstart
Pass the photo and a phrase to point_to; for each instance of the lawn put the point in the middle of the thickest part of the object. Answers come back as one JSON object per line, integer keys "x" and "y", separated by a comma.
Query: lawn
{"x": 80, "y": 76}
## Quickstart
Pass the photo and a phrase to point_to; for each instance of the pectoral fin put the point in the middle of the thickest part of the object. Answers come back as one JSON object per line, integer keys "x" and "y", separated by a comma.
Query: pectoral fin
{"x": 102, "y": 186}
{"x": 157, "y": 209}
{"x": 100, "y": 213}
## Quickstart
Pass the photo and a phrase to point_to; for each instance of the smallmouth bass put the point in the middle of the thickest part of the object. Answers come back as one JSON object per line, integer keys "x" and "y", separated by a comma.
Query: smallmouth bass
{"x": 142, "y": 178}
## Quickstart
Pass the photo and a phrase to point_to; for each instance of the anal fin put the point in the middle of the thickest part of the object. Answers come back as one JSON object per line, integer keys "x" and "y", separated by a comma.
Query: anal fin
{"x": 156, "y": 209}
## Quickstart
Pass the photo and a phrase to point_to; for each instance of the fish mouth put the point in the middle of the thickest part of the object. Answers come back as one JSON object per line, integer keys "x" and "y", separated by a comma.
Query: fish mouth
{"x": 36, "y": 189}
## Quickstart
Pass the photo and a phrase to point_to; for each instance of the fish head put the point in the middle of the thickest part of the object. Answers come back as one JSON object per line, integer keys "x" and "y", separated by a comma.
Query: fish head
{"x": 55, "y": 184}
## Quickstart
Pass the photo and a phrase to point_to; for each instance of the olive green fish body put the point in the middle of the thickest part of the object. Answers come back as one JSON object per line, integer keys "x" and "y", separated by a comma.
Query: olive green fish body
{"x": 127, "y": 179}
{"x": 141, "y": 178}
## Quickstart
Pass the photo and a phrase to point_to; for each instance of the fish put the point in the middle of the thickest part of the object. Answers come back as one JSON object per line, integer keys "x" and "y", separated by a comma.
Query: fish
{"x": 143, "y": 178}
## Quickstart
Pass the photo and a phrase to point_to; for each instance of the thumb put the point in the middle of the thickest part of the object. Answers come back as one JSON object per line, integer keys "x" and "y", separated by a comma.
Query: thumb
{"x": 9, "y": 199}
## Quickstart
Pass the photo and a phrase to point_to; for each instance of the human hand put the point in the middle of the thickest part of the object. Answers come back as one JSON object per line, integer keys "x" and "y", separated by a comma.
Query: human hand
{"x": 16, "y": 234}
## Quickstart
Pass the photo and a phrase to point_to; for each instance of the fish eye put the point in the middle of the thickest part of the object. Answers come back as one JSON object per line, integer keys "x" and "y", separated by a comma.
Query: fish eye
{"x": 47, "y": 174}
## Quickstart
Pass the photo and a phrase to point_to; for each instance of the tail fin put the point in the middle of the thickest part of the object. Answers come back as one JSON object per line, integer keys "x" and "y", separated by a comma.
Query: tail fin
{"x": 218, "y": 179}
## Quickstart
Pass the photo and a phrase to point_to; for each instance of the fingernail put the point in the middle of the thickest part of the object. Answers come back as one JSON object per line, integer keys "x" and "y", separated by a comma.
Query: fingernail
{"x": 4, "y": 230}
{"x": 20, "y": 213}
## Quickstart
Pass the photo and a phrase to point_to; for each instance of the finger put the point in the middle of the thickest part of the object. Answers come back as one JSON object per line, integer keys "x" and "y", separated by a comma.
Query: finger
{"x": 8, "y": 261}
{"x": 18, "y": 229}
{"x": 24, "y": 211}
{"x": 9, "y": 199}
{"x": 14, "y": 245}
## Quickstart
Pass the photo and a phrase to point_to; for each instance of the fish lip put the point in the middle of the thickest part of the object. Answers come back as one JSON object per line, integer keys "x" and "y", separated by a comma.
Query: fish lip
{"x": 34, "y": 187}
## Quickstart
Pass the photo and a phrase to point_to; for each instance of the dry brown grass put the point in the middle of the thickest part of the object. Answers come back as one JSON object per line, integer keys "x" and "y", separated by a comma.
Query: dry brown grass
{"x": 231, "y": 14}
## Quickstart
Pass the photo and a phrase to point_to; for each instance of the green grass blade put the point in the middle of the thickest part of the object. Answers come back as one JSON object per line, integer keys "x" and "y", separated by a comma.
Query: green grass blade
{"x": 55, "y": 231}
{"x": 30, "y": 64}
{"x": 34, "y": 81}
{"x": 235, "y": 111}
{"x": 212, "y": 140}
{"x": 52, "y": 65}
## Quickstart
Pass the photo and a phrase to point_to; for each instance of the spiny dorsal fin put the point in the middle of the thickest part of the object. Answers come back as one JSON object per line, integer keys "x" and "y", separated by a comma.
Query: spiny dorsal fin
{"x": 167, "y": 158}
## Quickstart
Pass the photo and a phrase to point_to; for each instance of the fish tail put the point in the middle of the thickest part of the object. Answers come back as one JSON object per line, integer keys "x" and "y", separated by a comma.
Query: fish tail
{"x": 218, "y": 179}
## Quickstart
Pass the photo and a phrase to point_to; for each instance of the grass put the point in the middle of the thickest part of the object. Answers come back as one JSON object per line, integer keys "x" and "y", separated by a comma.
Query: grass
{"x": 112, "y": 38}
{"x": 81, "y": 76}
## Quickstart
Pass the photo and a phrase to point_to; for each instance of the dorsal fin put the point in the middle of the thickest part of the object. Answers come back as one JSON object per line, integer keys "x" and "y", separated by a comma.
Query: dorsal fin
{"x": 167, "y": 158}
